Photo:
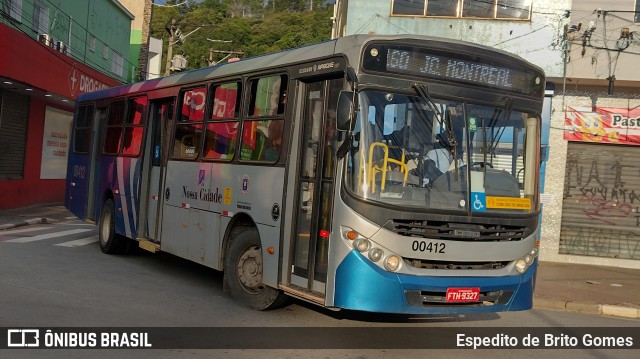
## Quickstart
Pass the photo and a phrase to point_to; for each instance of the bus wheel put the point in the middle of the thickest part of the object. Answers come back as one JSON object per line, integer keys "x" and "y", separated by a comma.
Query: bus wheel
{"x": 243, "y": 268}
{"x": 110, "y": 241}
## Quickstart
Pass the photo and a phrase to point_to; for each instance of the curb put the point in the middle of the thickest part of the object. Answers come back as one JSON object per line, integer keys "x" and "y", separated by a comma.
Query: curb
{"x": 590, "y": 308}
{"x": 40, "y": 220}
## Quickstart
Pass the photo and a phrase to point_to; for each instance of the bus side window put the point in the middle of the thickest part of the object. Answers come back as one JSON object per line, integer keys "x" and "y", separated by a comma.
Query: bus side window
{"x": 82, "y": 132}
{"x": 262, "y": 131}
{"x": 189, "y": 125}
{"x": 134, "y": 127}
{"x": 222, "y": 128}
{"x": 113, "y": 131}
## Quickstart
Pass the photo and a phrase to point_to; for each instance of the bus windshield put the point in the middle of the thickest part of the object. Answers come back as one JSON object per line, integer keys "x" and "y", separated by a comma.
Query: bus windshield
{"x": 412, "y": 151}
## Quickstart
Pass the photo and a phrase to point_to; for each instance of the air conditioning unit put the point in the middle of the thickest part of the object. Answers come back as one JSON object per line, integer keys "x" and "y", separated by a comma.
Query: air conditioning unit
{"x": 178, "y": 63}
{"x": 46, "y": 39}
{"x": 61, "y": 46}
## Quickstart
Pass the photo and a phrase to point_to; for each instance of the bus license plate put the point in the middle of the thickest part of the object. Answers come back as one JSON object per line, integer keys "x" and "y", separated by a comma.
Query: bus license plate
{"x": 463, "y": 295}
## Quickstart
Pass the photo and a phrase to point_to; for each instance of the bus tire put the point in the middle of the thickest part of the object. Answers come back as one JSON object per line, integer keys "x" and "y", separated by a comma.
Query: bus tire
{"x": 243, "y": 268}
{"x": 110, "y": 241}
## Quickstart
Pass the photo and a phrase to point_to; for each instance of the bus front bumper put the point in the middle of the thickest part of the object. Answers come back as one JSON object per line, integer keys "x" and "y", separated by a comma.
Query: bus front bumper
{"x": 361, "y": 285}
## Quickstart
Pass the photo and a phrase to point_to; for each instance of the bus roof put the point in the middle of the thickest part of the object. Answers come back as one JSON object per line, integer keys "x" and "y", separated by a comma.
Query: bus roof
{"x": 349, "y": 45}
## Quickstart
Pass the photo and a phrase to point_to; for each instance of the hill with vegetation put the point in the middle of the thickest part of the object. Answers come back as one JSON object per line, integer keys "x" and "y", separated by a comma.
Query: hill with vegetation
{"x": 214, "y": 30}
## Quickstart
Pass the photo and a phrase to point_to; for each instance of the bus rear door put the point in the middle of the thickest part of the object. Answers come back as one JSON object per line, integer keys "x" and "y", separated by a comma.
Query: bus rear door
{"x": 81, "y": 171}
{"x": 160, "y": 115}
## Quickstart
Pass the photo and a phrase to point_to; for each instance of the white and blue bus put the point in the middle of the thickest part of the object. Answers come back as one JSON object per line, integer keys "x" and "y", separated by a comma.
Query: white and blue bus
{"x": 395, "y": 174}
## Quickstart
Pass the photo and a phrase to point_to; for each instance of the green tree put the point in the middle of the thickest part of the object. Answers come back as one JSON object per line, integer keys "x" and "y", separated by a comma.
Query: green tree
{"x": 245, "y": 25}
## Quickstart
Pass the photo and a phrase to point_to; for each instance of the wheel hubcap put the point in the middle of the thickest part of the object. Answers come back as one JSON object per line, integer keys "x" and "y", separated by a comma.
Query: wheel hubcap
{"x": 106, "y": 228}
{"x": 250, "y": 269}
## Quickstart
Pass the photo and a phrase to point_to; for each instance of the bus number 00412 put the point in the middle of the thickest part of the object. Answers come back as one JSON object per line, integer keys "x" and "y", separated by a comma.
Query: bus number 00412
{"x": 431, "y": 247}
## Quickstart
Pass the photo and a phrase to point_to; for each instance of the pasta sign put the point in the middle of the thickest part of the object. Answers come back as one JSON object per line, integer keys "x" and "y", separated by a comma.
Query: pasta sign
{"x": 602, "y": 124}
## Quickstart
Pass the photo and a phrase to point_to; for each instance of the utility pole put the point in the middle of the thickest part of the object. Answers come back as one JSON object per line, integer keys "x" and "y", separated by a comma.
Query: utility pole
{"x": 172, "y": 33}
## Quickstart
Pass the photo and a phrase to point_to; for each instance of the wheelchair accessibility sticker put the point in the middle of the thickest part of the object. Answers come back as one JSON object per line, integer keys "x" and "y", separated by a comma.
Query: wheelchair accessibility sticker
{"x": 478, "y": 202}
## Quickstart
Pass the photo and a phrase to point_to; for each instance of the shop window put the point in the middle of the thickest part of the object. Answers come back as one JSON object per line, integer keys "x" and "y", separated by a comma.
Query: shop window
{"x": 13, "y": 8}
{"x": 92, "y": 43}
{"x": 222, "y": 126}
{"x": 117, "y": 64}
{"x": 40, "y": 17}
{"x": 490, "y": 9}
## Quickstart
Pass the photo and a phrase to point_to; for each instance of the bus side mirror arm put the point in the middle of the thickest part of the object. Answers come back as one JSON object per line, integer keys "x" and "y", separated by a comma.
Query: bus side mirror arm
{"x": 346, "y": 112}
{"x": 344, "y": 147}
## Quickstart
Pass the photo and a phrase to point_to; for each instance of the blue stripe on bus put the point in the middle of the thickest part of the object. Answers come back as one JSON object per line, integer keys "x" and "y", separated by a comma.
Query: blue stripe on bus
{"x": 122, "y": 174}
{"x": 361, "y": 285}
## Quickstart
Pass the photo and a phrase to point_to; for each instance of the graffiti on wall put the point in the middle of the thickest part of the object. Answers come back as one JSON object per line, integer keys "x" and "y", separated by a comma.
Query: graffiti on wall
{"x": 601, "y": 242}
{"x": 601, "y": 206}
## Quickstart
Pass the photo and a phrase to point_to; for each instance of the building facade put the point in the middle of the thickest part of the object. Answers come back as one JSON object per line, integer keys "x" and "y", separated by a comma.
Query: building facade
{"x": 52, "y": 51}
{"x": 591, "y": 127}
{"x": 594, "y": 215}
{"x": 139, "y": 42}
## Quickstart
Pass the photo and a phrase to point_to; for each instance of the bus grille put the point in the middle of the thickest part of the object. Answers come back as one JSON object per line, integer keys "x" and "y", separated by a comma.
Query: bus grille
{"x": 459, "y": 231}
{"x": 432, "y": 299}
{"x": 429, "y": 264}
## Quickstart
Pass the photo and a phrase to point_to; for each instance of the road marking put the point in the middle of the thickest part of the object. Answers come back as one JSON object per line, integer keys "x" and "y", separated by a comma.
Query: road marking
{"x": 79, "y": 242}
{"x": 31, "y": 229}
{"x": 47, "y": 236}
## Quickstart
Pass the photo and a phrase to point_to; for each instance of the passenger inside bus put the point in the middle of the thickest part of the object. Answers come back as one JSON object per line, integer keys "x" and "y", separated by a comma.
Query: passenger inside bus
{"x": 440, "y": 155}
{"x": 274, "y": 140}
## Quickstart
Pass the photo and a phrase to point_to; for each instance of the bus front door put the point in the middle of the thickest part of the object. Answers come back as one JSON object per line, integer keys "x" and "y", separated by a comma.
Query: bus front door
{"x": 161, "y": 112}
{"x": 315, "y": 180}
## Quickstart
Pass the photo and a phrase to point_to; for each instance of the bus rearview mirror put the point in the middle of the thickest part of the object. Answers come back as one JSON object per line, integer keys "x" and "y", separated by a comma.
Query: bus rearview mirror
{"x": 344, "y": 111}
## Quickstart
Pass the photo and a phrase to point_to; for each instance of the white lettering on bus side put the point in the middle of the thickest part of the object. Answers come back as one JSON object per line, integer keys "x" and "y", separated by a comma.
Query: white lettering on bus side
{"x": 78, "y": 171}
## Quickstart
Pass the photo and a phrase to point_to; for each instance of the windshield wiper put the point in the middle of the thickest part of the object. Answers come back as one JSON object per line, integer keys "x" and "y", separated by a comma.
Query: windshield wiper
{"x": 423, "y": 92}
{"x": 452, "y": 145}
{"x": 508, "y": 105}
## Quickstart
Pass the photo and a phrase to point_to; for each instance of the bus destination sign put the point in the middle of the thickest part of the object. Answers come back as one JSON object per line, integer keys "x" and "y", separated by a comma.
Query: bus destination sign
{"x": 452, "y": 66}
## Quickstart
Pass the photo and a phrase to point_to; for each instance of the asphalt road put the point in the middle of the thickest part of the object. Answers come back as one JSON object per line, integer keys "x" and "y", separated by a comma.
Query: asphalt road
{"x": 55, "y": 276}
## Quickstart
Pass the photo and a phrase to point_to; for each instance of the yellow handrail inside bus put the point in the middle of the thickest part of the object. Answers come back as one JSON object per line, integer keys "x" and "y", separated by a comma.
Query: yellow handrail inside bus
{"x": 373, "y": 169}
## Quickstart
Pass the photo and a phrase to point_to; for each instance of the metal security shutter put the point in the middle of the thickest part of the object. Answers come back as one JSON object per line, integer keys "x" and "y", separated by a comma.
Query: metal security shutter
{"x": 601, "y": 206}
{"x": 14, "y": 110}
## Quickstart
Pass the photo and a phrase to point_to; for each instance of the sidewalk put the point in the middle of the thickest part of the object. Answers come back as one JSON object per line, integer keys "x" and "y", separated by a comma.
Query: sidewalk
{"x": 569, "y": 287}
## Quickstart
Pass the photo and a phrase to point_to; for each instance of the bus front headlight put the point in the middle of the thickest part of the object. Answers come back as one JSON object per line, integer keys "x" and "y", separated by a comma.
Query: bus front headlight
{"x": 521, "y": 265}
{"x": 391, "y": 263}
{"x": 376, "y": 254}
{"x": 361, "y": 244}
